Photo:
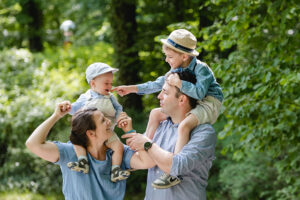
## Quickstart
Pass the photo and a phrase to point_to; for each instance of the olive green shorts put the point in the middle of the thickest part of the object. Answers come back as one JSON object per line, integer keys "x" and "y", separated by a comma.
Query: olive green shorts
{"x": 207, "y": 110}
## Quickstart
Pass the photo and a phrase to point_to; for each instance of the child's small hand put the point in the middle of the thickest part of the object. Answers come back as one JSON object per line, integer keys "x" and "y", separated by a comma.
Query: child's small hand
{"x": 124, "y": 122}
{"x": 121, "y": 90}
{"x": 125, "y": 89}
{"x": 173, "y": 79}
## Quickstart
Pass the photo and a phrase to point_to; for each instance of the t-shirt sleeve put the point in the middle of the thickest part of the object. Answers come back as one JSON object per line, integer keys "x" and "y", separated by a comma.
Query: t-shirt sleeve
{"x": 64, "y": 152}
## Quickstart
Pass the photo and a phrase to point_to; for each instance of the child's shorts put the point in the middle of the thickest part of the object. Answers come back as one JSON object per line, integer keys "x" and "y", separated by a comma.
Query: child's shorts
{"x": 207, "y": 110}
{"x": 113, "y": 138}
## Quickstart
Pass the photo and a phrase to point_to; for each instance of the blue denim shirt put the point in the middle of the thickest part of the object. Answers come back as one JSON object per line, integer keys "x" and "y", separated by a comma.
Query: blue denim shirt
{"x": 206, "y": 84}
{"x": 82, "y": 100}
{"x": 193, "y": 162}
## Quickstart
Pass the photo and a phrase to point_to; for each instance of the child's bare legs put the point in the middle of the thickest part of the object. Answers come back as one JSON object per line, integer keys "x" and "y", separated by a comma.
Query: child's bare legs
{"x": 184, "y": 129}
{"x": 156, "y": 116}
{"x": 82, "y": 165}
{"x": 117, "y": 173}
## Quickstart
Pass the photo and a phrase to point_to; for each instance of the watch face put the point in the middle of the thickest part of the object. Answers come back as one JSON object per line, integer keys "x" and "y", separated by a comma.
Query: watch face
{"x": 147, "y": 145}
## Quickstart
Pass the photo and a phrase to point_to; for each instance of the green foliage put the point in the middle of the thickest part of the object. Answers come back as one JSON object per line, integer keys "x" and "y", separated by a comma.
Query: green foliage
{"x": 246, "y": 180}
{"x": 260, "y": 78}
{"x": 252, "y": 47}
{"x": 90, "y": 18}
{"x": 31, "y": 85}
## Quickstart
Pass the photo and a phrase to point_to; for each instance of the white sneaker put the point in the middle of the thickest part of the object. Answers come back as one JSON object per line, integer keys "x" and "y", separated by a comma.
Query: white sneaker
{"x": 117, "y": 174}
{"x": 165, "y": 181}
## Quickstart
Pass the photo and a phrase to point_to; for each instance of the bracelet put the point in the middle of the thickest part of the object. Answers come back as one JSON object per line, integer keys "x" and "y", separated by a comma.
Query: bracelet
{"x": 131, "y": 131}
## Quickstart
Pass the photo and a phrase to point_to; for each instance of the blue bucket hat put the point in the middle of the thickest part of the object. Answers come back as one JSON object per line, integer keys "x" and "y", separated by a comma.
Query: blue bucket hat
{"x": 97, "y": 69}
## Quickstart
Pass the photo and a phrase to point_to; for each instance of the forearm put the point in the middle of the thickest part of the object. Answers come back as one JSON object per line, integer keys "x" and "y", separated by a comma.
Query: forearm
{"x": 142, "y": 160}
{"x": 155, "y": 155}
{"x": 163, "y": 159}
{"x": 40, "y": 133}
{"x": 151, "y": 86}
{"x": 37, "y": 140}
{"x": 133, "y": 88}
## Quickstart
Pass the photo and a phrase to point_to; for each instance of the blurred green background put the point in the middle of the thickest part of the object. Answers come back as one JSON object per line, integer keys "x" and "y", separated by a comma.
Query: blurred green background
{"x": 251, "y": 45}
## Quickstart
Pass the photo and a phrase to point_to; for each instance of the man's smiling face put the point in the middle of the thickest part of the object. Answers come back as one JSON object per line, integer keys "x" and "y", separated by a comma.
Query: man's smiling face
{"x": 167, "y": 99}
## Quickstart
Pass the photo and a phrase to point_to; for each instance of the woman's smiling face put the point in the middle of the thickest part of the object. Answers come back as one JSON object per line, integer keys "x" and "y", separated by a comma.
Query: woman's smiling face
{"x": 103, "y": 126}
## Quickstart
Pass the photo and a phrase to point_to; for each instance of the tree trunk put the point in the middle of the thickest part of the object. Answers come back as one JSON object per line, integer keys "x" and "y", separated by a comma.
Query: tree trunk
{"x": 124, "y": 34}
{"x": 31, "y": 9}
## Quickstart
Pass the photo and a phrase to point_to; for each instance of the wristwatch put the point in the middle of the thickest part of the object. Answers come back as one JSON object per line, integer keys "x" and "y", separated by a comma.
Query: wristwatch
{"x": 147, "y": 145}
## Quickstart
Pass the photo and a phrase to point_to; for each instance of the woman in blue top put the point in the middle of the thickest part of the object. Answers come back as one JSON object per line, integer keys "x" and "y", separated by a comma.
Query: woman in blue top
{"x": 90, "y": 129}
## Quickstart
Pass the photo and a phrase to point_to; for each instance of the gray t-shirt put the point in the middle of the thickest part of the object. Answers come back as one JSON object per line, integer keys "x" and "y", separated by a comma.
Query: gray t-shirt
{"x": 96, "y": 184}
{"x": 192, "y": 163}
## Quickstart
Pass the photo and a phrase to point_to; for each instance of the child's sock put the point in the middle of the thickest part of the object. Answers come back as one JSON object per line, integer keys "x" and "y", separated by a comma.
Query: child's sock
{"x": 82, "y": 158}
{"x": 114, "y": 166}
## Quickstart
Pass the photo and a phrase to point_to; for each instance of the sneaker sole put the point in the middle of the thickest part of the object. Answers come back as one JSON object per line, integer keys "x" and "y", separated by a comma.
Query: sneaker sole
{"x": 76, "y": 169}
{"x": 125, "y": 176}
{"x": 164, "y": 186}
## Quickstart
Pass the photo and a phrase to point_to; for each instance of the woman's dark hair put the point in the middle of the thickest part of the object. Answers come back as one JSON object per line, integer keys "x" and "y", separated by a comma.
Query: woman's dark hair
{"x": 187, "y": 75}
{"x": 82, "y": 121}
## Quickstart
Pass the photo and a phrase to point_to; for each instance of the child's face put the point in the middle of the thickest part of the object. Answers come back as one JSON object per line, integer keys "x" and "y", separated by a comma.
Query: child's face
{"x": 102, "y": 84}
{"x": 174, "y": 58}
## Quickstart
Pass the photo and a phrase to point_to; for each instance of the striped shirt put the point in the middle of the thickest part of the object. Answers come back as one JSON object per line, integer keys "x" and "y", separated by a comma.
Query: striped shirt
{"x": 192, "y": 163}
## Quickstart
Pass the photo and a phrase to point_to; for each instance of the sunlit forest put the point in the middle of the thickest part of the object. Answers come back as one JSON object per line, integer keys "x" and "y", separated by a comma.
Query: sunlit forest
{"x": 252, "y": 46}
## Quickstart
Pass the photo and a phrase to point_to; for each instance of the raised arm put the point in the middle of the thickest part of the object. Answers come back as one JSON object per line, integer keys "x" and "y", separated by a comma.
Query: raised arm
{"x": 37, "y": 143}
{"x": 140, "y": 159}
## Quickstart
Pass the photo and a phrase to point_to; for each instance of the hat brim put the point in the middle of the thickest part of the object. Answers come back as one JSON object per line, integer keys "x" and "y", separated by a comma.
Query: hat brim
{"x": 113, "y": 70}
{"x": 193, "y": 53}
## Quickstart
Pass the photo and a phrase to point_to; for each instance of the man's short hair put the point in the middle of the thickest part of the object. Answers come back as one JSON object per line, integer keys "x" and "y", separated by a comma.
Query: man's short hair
{"x": 186, "y": 75}
{"x": 82, "y": 121}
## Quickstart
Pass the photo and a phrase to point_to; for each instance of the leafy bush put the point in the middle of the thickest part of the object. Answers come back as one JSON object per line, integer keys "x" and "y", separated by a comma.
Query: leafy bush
{"x": 31, "y": 85}
{"x": 251, "y": 48}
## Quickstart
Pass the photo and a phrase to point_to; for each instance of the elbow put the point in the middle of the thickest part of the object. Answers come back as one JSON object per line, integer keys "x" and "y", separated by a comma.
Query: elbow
{"x": 29, "y": 144}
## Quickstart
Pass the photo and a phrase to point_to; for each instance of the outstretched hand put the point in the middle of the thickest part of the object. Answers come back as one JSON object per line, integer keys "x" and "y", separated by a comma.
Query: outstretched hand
{"x": 62, "y": 109}
{"x": 124, "y": 89}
